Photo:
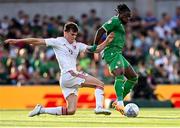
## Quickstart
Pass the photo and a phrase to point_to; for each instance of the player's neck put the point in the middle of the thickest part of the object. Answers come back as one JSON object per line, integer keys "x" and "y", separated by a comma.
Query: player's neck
{"x": 68, "y": 40}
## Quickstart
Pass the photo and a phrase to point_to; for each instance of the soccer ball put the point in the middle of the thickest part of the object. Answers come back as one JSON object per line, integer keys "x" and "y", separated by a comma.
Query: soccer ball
{"x": 131, "y": 110}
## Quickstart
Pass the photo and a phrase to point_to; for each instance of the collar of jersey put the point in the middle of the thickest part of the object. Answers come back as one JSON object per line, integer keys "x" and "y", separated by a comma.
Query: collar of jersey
{"x": 119, "y": 19}
{"x": 68, "y": 42}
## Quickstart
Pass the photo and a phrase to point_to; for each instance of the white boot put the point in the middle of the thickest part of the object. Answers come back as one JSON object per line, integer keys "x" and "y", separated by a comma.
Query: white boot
{"x": 101, "y": 110}
{"x": 35, "y": 111}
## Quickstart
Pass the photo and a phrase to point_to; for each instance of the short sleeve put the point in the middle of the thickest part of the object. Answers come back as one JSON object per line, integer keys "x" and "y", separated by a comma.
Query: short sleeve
{"x": 82, "y": 47}
{"x": 51, "y": 42}
{"x": 109, "y": 25}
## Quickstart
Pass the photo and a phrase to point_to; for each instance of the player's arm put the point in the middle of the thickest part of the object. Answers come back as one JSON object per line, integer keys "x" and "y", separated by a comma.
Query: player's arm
{"x": 98, "y": 35}
{"x": 106, "y": 28}
{"x": 100, "y": 47}
{"x": 33, "y": 41}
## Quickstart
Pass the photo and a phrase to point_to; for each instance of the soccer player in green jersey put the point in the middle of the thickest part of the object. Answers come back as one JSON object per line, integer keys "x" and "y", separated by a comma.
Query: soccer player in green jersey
{"x": 112, "y": 55}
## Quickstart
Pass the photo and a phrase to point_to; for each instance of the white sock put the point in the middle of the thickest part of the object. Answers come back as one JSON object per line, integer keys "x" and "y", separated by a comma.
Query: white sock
{"x": 54, "y": 111}
{"x": 99, "y": 95}
{"x": 120, "y": 103}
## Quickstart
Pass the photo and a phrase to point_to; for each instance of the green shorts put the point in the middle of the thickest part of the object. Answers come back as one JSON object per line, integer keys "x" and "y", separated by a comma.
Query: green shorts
{"x": 115, "y": 60}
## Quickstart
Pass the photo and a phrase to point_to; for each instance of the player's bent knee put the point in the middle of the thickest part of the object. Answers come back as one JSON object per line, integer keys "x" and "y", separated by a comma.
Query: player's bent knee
{"x": 100, "y": 86}
{"x": 118, "y": 72}
{"x": 137, "y": 76}
{"x": 99, "y": 83}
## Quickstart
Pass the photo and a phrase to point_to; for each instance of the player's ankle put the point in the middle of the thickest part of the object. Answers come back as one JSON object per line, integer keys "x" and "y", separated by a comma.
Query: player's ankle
{"x": 42, "y": 110}
{"x": 99, "y": 107}
{"x": 120, "y": 103}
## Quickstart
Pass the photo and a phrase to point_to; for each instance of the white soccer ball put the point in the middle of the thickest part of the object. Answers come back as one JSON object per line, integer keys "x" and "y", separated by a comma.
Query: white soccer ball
{"x": 131, "y": 110}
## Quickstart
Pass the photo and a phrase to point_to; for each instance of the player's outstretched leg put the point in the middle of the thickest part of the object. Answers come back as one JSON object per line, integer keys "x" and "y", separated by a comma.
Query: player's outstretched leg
{"x": 39, "y": 109}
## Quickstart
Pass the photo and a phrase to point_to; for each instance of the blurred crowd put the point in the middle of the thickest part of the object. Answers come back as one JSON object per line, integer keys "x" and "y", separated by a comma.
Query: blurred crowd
{"x": 152, "y": 48}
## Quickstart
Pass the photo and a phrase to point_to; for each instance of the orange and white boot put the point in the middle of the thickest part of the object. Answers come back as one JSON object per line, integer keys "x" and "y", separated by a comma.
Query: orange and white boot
{"x": 118, "y": 107}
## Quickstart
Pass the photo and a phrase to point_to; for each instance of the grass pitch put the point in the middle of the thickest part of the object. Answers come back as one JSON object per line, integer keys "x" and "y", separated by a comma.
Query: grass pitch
{"x": 148, "y": 118}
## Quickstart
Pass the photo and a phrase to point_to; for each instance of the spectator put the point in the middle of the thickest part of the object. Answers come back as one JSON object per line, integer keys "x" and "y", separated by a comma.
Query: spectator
{"x": 150, "y": 20}
{"x": 146, "y": 39}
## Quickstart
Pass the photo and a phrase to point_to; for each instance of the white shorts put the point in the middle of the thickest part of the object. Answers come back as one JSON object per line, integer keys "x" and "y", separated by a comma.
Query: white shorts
{"x": 71, "y": 81}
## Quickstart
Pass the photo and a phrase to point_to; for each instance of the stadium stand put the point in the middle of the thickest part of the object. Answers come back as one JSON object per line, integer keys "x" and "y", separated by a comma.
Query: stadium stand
{"x": 152, "y": 47}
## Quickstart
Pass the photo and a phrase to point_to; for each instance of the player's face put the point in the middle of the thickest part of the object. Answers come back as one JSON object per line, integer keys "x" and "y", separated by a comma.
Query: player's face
{"x": 125, "y": 17}
{"x": 70, "y": 36}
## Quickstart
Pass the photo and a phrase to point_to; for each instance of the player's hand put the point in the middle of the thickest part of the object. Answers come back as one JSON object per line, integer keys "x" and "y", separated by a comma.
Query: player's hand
{"x": 11, "y": 41}
{"x": 110, "y": 37}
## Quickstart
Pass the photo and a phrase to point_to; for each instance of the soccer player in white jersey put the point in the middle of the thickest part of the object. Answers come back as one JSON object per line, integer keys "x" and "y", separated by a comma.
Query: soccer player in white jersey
{"x": 66, "y": 49}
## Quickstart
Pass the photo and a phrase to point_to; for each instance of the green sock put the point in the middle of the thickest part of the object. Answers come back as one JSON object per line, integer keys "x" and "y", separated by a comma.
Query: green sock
{"x": 128, "y": 85}
{"x": 119, "y": 87}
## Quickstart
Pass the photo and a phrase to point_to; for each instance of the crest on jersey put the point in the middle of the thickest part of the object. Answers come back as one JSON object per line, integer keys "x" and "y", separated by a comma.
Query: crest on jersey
{"x": 74, "y": 46}
{"x": 119, "y": 62}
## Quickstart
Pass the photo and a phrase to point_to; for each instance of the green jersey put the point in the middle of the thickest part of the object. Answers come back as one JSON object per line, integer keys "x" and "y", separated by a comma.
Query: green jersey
{"x": 113, "y": 52}
{"x": 116, "y": 26}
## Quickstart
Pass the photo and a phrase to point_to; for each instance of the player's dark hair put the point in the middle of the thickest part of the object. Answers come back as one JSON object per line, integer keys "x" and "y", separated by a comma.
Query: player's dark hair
{"x": 122, "y": 8}
{"x": 71, "y": 26}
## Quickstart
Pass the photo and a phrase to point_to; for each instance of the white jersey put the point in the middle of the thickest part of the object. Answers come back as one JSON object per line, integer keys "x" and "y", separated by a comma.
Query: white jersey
{"x": 65, "y": 52}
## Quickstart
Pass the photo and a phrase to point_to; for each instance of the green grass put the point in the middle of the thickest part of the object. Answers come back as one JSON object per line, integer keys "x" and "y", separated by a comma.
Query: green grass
{"x": 86, "y": 118}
